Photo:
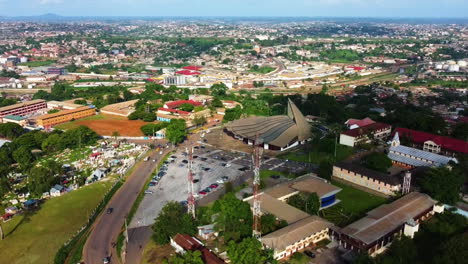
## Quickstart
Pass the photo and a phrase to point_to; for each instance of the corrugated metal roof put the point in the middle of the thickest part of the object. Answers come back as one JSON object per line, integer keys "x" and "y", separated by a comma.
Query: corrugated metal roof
{"x": 388, "y": 217}
{"x": 426, "y": 158}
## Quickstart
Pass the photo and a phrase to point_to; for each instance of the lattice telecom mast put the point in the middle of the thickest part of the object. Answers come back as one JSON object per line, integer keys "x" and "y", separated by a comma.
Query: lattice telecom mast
{"x": 257, "y": 213}
{"x": 406, "y": 183}
{"x": 190, "y": 198}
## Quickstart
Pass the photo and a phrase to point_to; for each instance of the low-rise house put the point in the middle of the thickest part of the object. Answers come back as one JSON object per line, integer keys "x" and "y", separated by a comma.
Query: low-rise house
{"x": 207, "y": 231}
{"x": 57, "y": 190}
{"x": 374, "y": 131}
{"x": 182, "y": 243}
{"x": 374, "y": 233}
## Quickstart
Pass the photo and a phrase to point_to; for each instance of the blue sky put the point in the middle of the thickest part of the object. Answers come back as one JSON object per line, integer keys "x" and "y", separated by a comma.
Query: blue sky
{"x": 326, "y": 8}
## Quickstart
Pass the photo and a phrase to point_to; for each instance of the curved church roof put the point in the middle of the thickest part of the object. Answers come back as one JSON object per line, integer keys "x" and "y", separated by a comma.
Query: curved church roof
{"x": 274, "y": 130}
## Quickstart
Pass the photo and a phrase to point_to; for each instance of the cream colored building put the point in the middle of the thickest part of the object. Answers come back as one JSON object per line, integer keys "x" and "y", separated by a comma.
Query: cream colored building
{"x": 373, "y": 181}
{"x": 297, "y": 236}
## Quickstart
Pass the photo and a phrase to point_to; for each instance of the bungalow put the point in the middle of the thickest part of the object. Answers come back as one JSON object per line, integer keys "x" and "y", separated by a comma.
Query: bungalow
{"x": 57, "y": 190}
{"x": 182, "y": 243}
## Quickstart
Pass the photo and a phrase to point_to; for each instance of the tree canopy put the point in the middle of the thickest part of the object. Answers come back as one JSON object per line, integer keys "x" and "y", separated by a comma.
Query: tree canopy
{"x": 442, "y": 184}
{"x": 248, "y": 251}
{"x": 234, "y": 219}
{"x": 377, "y": 161}
{"x": 172, "y": 220}
{"x": 176, "y": 131}
{"x": 307, "y": 202}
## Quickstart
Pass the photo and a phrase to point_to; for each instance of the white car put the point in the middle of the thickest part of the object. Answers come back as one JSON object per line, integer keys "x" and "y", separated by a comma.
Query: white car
{"x": 220, "y": 181}
{"x": 148, "y": 192}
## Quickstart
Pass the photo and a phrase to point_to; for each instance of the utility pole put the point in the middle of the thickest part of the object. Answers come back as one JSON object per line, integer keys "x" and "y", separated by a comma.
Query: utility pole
{"x": 257, "y": 212}
{"x": 1, "y": 232}
{"x": 190, "y": 198}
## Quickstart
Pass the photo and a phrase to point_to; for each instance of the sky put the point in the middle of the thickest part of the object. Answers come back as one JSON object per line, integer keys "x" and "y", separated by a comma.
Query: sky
{"x": 312, "y": 8}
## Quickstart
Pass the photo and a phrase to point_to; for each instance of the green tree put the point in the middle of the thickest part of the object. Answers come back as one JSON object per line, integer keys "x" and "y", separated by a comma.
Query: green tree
{"x": 219, "y": 89}
{"x": 248, "y": 251}
{"x": 402, "y": 251}
{"x": 234, "y": 219}
{"x": 442, "y": 184}
{"x": 189, "y": 257}
{"x": 232, "y": 114}
{"x": 269, "y": 223}
{"x": 199, "y": 120}
{"x": 23, "y": 156}
{"x": 42, "y": 178}
{"x": 308, "y": 202}
{"x": 460, "y": 131}
{"x": 377, "y": 161}
{"x": 172, "y": 220}
{"x": 176, "y": 131}
{"x": 186, "y": 107}
{"x": 453, "y": 251}
{"x": 325, "y": 169}
{"x": 217, "y": 102}
{"x": 150, "y": 129}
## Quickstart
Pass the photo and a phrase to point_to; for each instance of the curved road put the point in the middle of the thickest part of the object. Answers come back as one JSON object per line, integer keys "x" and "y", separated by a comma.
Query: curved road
{"x": 108, "y": 226}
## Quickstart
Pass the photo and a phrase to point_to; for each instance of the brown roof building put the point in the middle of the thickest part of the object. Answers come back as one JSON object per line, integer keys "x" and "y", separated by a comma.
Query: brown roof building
{"x": 183, "y": 243}
{"x": 275, "y": 132}
{"x": 380, "y": 226}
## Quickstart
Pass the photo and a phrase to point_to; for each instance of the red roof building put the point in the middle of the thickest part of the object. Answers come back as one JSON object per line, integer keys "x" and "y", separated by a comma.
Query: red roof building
{"x": 192, "y": 68}
{"x": 186, "y": 242}
{"x": 187, "y": 72}
{"x": 174, "y": 111}
{"x": 379, "y": 131}
{"x": 433, "y": 143}
{"x": 176, "y": 104}
{"x": 355, "y": 123}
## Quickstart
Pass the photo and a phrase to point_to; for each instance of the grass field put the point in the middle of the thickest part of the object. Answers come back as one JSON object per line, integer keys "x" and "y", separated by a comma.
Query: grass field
{"x": 105, "y": 125}
{"x": 37, "y": 237}
{"x": 315, "y": 157}
{"x": 354, "y": 205}
{"x": 38, "y": 63}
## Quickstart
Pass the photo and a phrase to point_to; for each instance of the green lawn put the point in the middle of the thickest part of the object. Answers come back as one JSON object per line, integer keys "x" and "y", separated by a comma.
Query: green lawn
{"x": 38, "y": 63}
{"x": 315, "y": 156}
{"x": 38, "y": 236}
{"x": 72, "y": 124}
{"x": 265, "y": 174}
{"x": 354, "y": 205}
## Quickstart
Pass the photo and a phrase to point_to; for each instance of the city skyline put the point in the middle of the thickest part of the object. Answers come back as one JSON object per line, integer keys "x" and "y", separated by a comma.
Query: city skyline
{"x": 241, "y": 8}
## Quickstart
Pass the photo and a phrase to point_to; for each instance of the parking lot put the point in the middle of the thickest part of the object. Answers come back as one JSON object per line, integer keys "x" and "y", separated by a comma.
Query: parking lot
{"x": 210, "y": 166}
{"x": 172, "y": 186}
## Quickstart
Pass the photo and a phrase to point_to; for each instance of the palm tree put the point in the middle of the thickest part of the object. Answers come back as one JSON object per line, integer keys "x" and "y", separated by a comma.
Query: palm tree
{"x": 115, "y": 134}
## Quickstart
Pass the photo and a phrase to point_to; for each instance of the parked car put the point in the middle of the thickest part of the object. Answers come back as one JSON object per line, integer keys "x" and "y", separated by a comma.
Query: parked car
{"x": 214, "y": 186}
{"x": 195, "y": 180}
{"x": 220, "y": 181}
{"x": 202, "y": 192}
{"x": 309, "y": 253}
{"x": 185, "y": 161}
{"x": 148, "y": 192}
{"x": 225, "y": 178}
{"x": 275, "y": 176}
{"x": 110, "y": 210}
{"x": 106, "y": 260}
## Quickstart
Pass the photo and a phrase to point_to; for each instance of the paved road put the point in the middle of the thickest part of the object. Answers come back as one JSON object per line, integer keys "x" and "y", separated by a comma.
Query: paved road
{"x": 108, "y": 226}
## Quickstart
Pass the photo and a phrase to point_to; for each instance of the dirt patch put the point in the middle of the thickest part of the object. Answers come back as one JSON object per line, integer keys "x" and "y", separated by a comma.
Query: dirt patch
{"x": 157, "y": 254}
{"x": 105, "y": 127}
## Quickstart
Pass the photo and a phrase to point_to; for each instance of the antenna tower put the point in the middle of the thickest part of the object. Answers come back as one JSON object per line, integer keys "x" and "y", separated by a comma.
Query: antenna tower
{"x": 257, "y": 212}
{"x": 406, "y": 183}
{"x": 190, "y": 198}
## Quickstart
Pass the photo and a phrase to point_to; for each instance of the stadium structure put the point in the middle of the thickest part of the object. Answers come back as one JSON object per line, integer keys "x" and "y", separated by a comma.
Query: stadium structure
{"x": 276, "y": 132}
